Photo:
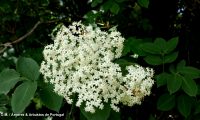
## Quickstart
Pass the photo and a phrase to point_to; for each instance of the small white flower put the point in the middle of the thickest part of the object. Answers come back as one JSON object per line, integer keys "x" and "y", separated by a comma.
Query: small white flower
{"x": 80, "y": 62}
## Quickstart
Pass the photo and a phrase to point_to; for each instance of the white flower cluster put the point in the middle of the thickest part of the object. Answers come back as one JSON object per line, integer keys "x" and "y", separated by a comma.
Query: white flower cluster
{"x": 80, "y": 61}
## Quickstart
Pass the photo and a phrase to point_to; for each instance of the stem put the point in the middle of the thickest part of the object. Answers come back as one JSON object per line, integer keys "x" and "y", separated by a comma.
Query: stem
{"x": 163, "y": 65}
{"x": 69, "y": 116}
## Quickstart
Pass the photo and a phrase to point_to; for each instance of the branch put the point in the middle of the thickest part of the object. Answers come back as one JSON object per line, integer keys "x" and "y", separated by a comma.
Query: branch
{"x": 27, "y": 34}
{"x": 9, "y": 44}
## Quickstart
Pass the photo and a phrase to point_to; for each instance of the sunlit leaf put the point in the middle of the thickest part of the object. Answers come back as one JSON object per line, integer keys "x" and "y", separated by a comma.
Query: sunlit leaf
{"x": 8, "y": 79}
{"x": 50, "y": 99}
{"x": 28, "y": 68}
{"x": 22, "y": 96}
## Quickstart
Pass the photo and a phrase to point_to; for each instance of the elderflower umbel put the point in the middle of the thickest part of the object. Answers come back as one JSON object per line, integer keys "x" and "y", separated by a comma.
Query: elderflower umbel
{"x": 80, "y": 61}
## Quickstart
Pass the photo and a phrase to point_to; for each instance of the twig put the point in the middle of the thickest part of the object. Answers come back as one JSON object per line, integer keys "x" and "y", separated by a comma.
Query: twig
{"x": 27, "y": 34}
{"x": 9, "y": 44}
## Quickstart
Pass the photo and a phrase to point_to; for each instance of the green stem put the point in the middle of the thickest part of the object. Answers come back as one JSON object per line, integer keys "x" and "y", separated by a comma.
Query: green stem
{"x": 70, "y": 115}
{"x": 163, "y": 64}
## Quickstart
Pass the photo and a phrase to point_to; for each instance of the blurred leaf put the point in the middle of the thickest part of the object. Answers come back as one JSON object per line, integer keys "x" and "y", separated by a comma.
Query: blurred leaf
{"x": 107, "y": 5}
{"x": 22, "y": 96}
{"x": 153, "y": 60}
{"x": 99, "y": 114}
{"x": 5, "y": 6}
{"x": 180, "y": 65}
{"x": 114, "y": 115}
{"x": 28, "y": 68}
{"x": 189, "y": 86}
{"x": 171, "y": 57}
{"x": 44, "y": 2}
{"x": 82, "y": 117}
{"x": 8, "y": 79}
{"x": 174, "y": 83}
{"x": 96, "y": 2}
{"x": 115, "y": 8}
{"x": 184, "y": 105}
{"x": 4, "y": 99}
{"x": 172, "y": 69}
{"x": 166, "y": 102}
{"x": 91, "y": 16}
{"x": 143, "y": 3}
{"x": 50, "y": 99}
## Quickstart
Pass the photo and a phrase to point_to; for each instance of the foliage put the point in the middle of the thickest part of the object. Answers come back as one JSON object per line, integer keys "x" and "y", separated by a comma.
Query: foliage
{"x": 161, "y": 34}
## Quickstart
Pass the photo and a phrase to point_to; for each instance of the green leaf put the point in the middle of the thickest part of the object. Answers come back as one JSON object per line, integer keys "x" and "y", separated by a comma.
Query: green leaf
{"x": 28, "y": 68}
{"x": 189, "y": 86}
{"x": 114, "y": 115}
{"x": 91, "y": 16}
{"x": 133, "y": 44}
{"x": 44, "y": 2}
{"x": 180, "y": 65}
{"x": 190, "y": 71}
{"x": 8, "y": 79}
{"x": 82, "y": 117}
{"x": 171, "y": 57}
{"x": 4, "y": 99}
{"x": 96, "y": 2}
{"x": 115, "y": 8}
{"x": 174, "y": 83}
{"x": 166, "y": 102}
{"x": 171, "y": 44}
{"x": 107, "y": 5}
{"x": 151, "y": 48}
{"x": 161, "y": 44}
{"x": 50, "y": 99}
{"x": 172, "y": 69}
{"x": 99, "y": 114}
{"x": 153, "y": 60}
{"x": 22, "y": 96}
{"x": 123, "y": 62}
{"x": 184, "y": 105}
{"x": 143, "y": 3}
{"x": 161, "y": 79}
